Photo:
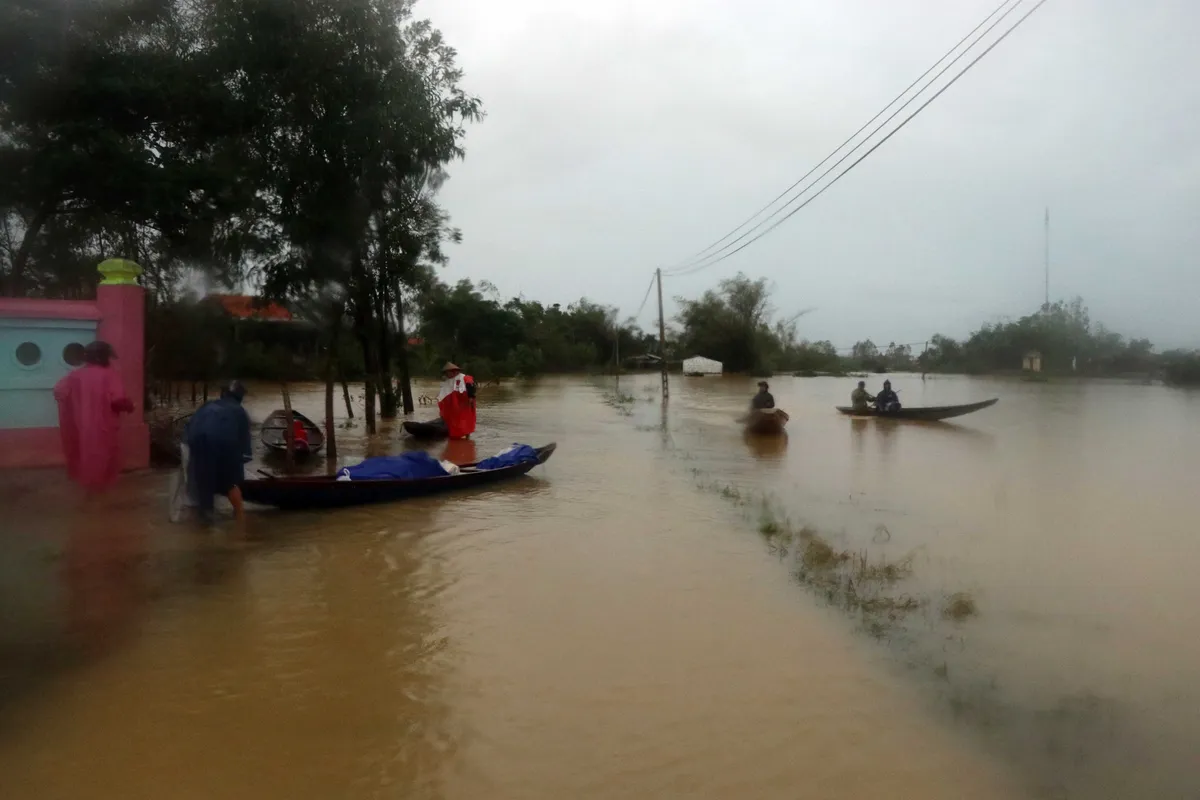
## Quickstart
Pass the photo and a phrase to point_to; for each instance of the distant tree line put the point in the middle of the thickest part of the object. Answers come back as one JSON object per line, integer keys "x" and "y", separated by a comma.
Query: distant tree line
{"x": 735, "y": 324}
{"x": 192, "y": 340}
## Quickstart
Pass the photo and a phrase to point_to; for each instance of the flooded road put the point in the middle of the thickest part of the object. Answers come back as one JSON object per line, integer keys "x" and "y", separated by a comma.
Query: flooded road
{"x": 665, "y": 609}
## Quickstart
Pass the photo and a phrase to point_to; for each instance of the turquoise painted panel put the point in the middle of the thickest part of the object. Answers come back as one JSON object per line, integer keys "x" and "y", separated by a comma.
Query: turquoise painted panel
{"x": 31, "y": 362}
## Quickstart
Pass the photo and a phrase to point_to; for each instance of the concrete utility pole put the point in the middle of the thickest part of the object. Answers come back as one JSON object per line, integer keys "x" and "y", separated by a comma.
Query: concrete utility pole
{"x": 662, "y": 338}
{"x": 1046, "y": 307}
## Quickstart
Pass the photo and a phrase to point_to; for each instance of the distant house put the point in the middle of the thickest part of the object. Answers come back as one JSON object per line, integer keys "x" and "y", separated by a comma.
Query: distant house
{"x": 698, "y": 365}
{"x": 241, "y": 306}
{"x": 1032, "y": 361}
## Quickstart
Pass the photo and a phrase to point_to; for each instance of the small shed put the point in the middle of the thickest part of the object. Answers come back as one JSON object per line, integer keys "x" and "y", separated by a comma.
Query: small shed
{"x": 1032, "y": 361}
{"x": 698, "y": 365}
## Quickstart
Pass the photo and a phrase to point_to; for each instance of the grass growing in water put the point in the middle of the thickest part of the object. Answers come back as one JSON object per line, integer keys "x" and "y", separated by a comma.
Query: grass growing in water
{"x": 959, "y": 606}
{"x": 621, "y": 401}
{"x": 850, "y": 579}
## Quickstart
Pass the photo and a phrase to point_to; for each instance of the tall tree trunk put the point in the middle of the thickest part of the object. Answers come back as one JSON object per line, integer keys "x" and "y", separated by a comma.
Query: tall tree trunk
{"x": 16, "y": 276}
{"x": 369, "y": 360}
{"x": 331, "y": 359}
{"x": 330, "y": 428}
{"x": 288, "y": 434}
{"x": 387, "y": 387}
{"x": 346, "y": 395}
{"x": 406, "y": 395}
{"x": 369, "y": 403}
{"x": 363, "y": 312}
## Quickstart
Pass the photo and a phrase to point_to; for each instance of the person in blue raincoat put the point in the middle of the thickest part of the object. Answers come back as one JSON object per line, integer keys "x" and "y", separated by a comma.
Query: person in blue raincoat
{"x": 218, "y": 440}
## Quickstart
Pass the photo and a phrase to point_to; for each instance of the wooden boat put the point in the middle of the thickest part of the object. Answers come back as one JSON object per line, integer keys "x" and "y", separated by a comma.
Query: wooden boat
{"x": 432, "y": 430}
{"x": 326, "y": 491}
{"x": 274, "y": 433}
{"x": 928, "y": 413}
{"x": 765, "y": 421}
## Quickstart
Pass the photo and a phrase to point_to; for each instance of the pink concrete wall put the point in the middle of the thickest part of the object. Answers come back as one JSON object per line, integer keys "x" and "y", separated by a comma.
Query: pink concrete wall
{"x": 123, "y": 325}
{"x": 120, "y": 311}
{"x": 26, "y": 308}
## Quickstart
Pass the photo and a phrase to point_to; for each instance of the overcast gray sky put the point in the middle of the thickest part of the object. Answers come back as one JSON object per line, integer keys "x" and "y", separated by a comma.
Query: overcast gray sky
{"x": 629, "y": 134}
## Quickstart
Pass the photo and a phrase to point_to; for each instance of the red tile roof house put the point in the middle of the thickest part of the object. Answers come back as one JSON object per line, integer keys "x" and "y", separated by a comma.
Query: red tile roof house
{"x": 243, "y": 306}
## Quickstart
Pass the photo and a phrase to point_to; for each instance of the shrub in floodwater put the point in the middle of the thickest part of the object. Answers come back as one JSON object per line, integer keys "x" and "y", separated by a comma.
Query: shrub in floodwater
{"x": 768, "y": 527}
{"x": 959, "y": 606}
{"x": 818, "y": 554}
{"x": 891, "y": 605}
{"x": 731, "y": 493}
{"x": 884, "y": 571}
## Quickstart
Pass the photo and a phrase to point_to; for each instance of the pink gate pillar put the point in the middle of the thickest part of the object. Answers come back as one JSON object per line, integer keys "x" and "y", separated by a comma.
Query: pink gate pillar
{"x": 122, "y": 306}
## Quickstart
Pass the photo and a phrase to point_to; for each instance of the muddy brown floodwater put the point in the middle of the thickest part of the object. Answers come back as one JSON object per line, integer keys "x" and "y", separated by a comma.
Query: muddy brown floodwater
{"x": 1004, "y": 607}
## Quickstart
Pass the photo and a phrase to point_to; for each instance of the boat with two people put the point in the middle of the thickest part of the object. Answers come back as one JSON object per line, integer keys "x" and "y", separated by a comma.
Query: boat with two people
{"x": 388, "y": 479}
{"x": 922, "y": 413}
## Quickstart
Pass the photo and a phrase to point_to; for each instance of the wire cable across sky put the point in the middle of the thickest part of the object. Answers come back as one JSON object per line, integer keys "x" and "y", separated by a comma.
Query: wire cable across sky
{"x": 713, "y": 257}
{"x": 646, "y": 297}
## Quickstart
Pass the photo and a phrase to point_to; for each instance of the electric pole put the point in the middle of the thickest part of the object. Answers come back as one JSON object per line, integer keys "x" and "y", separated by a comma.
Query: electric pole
{"x": 662, "y": 338}
{"x": 1046, "y": 307}
{"x": 617, "y": 349}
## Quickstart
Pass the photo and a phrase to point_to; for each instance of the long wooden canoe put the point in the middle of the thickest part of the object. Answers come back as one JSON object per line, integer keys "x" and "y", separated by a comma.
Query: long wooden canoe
{"x": 294, "y": 493}
{"x": 927, "y": 413}
{"x": 765, "y": 421}
{"x": 274, "y": 433}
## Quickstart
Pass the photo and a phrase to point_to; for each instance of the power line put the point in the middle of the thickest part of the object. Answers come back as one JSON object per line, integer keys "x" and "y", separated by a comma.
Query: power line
{"x": 712, "y": 260}
{"x": 649, "y": 286}
{"x": 701, "y": 254}
{"x": 719, "y": 256}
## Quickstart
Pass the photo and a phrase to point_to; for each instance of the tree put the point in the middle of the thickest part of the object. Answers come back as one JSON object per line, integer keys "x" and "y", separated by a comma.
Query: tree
{"x": 111, "y": 133}
{"x": 352, "y": 110}
{"x": 730, "y": 325}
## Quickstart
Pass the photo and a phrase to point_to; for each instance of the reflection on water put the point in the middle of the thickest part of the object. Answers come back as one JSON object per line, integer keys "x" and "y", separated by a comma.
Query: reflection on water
{"x": 770, "y": 448}
{"x": 614, "y": 626}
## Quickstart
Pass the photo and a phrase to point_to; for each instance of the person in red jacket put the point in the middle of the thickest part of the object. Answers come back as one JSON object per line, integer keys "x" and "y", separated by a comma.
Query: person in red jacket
{"x": 90, "y": 402}
{"x": 300, "y": 437}
{"x": 456, "y": 402}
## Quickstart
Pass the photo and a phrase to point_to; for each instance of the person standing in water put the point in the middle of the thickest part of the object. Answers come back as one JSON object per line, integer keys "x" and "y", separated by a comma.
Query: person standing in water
{"x": 218, "y": 440}
{"x": 90, "y": 402}
{"x": 456, "y": 402}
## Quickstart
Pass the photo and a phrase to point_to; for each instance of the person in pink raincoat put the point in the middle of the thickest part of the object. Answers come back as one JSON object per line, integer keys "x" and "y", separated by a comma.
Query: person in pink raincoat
{"x": 90, "y": 402}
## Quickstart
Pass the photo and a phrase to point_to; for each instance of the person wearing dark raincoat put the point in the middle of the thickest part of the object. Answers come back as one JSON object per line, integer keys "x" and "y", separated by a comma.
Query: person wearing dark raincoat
{"x": 763, "y": 399}
{"x": 887, "y": 399}
{"x": 218, "y": 440}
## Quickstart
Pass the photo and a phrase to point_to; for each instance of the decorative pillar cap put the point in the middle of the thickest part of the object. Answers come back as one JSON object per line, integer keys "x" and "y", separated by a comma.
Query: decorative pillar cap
{"x": 119, "y": 272}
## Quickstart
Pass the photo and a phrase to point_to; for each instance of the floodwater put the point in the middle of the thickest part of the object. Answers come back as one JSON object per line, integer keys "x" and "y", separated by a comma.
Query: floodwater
{"x": 1004, "y": 607}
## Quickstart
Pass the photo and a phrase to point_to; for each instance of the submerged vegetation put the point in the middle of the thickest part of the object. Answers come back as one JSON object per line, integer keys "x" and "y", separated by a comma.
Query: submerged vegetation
{"x": 959, "y": 606}
{"x": 851, "y": 579}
